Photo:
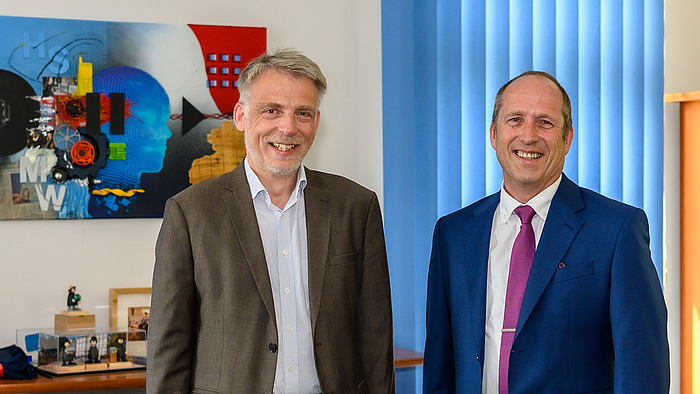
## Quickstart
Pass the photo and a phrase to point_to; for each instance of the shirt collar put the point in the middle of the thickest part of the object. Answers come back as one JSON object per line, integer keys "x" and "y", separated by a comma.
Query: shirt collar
{"x": 256, "y": 187}
{"x": 540, "y": 203}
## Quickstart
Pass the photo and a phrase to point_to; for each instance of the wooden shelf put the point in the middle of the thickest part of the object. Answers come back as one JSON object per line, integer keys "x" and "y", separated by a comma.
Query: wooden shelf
{"x": 681, "y": 97}
{"x": 94, "y": 381}
{"x": 403, "y": 358}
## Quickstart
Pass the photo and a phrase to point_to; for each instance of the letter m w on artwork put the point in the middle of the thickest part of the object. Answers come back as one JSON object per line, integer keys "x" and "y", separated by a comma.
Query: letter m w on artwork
{"x": 27, "y": 171}
{"x": 45, "y": 199}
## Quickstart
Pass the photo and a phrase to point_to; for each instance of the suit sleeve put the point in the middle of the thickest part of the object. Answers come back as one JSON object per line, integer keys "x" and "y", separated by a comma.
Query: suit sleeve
{"x": 173, "y": 313}
{"x": 638, "y": 313}
{"x": 439, "y": 363}
{"x": 375, "y": 319}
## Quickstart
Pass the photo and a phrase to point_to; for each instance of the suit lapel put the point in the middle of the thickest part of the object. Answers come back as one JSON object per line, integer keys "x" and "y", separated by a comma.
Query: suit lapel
{"x": 560, "y": 228}
{"x": 476, "y": 254}
{"x": 318, "y": 230}
{"x": 239, "y": 205}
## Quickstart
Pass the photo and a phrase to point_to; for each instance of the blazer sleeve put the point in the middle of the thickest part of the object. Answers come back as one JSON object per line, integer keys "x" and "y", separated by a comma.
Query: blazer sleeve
{"x": 375, "y": 319}
{"x": 173, "y": 313}
{"x": 439, "y": 363}
{"x": 638, "y": 313}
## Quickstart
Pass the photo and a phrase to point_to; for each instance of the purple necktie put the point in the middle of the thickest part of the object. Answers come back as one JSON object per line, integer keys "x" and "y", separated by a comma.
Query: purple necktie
{"x": 520, "y": 263}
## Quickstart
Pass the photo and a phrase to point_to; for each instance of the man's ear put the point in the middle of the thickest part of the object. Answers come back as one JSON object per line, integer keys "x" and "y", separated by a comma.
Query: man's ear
{"x": 239, "y": 116}
{"x": 567, "y": 140}
{"x": 318, "y": 119}
{"x": 492, "y": 133}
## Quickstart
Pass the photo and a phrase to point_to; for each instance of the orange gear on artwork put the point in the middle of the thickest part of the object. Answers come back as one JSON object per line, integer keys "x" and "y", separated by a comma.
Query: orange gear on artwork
{"x": 82, "y": 153}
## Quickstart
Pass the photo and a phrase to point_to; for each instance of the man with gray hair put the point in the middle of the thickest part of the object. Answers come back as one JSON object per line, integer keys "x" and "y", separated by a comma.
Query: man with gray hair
{"x": 272, "y": 278}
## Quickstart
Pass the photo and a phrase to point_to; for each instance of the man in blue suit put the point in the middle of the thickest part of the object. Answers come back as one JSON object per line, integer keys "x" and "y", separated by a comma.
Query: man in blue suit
{"x": 590, "y": 317}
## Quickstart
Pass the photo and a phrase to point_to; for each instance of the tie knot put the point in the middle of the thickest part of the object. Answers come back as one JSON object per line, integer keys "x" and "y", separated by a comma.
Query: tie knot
{"x": 525, "y": 213}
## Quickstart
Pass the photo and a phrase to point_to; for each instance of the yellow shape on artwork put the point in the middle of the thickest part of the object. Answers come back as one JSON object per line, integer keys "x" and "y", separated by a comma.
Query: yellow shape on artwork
{"x": 117, "y": 192}
{"x": 84, "y": 78}
{"x": 229, "y": 151}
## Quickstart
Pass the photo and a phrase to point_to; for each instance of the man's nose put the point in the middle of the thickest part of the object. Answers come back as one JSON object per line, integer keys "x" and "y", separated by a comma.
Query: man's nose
{"x": 287, "y": 124}
{"x": 529, "y": 133}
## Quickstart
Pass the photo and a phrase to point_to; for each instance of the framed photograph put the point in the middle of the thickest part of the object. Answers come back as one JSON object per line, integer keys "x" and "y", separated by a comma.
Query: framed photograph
{"x": 138, "y": 317}
{"x": 129, "y": 306}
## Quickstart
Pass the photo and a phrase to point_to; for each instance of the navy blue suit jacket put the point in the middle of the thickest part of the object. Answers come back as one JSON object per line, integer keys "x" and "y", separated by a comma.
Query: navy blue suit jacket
{"x": 594, "y": 324}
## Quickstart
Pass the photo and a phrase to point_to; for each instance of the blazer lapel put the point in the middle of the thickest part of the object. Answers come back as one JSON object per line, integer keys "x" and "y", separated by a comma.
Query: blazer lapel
{"x": 476, "y": 254}
{"x": 239, "y": 205}
{"x": 560, "y": 228}
{"x": 318, "y": 230}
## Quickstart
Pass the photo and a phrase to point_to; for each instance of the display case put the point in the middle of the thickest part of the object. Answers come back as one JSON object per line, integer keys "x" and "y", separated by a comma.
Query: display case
{"x": 86, "y": 351}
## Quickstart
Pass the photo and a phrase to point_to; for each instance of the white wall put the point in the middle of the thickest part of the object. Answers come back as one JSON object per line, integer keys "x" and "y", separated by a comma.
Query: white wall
{"x": 682, "y": 46}
{"x": 40, "y": 259}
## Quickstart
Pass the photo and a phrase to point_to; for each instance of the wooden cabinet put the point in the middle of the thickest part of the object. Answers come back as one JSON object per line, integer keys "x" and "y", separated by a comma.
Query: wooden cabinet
{"x": 689, "y": 239}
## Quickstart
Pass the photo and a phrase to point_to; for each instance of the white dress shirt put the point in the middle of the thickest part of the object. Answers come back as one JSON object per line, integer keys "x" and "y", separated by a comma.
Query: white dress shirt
{"x": 283, "y": 233}
{"x": 504, "y": 229}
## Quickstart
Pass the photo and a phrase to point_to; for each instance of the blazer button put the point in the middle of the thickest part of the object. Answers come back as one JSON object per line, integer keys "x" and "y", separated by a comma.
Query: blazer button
{"x": 273, "y": 347}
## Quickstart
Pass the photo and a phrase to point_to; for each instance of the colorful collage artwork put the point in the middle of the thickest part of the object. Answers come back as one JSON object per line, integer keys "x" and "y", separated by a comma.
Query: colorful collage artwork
{"x": 110, "y": 119}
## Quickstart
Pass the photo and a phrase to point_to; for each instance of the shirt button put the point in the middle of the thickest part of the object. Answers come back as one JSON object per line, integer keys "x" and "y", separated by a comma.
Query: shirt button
{"x": 286, "y": 290}
{"x": 291, "y": 369}
{"x": 283, "y": 217}
{"x": 289, "y": 329}
{"x": 284, "y": 253}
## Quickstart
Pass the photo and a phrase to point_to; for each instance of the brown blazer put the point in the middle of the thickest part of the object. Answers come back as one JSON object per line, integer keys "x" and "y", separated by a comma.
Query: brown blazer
{"x": 212, "y": 326}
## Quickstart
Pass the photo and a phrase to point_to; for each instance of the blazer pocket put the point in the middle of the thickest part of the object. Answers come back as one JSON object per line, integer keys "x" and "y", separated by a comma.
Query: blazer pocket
{"x": 345, "y": 258}
{"x": 573, "y": 271}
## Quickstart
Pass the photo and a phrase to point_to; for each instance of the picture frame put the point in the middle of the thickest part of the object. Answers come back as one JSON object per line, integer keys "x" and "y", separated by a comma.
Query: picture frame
{"x": 123, "y": 301}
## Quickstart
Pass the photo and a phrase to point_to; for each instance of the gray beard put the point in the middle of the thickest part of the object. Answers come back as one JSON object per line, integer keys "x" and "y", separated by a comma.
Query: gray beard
{"x": 264, "y": 166}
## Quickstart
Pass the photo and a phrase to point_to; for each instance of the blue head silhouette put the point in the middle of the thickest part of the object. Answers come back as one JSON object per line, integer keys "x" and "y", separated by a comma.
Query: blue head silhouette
{"x": 145, "y": 130}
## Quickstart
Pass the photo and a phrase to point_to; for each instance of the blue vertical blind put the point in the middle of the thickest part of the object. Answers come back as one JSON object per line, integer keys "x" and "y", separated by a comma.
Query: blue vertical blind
{"x": 443, "y": 63}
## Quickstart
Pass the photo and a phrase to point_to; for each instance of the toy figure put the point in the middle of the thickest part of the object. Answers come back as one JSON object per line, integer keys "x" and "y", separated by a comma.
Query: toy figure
{"x": 121, "y": 350}
{"x": 93, "y": 352}
{"x": 73, "y": 299}
{"x": 66, "y": 357}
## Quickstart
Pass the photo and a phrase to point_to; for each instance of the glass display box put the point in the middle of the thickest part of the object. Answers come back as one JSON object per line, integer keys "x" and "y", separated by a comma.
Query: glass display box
{"x": 85, "y": 351}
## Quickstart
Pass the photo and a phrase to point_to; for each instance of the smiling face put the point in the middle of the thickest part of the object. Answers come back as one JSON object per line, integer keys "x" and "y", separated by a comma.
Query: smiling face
{"x": 528, "y": 136}
{"x": 279, "y": 123}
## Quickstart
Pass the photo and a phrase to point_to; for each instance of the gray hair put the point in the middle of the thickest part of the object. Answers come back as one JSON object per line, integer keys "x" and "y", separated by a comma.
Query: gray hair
{"x": 286, "y": 60}
{"x": 566, "y": 111}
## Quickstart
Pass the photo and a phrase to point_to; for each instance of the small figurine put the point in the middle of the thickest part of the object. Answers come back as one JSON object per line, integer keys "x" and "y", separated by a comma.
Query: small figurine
{"x": 121, "y": 350}
{"x": 73, "y": 299}
{"x": 93, "y": 352}
{"x": 66, "y": 357}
